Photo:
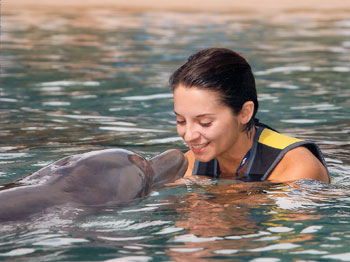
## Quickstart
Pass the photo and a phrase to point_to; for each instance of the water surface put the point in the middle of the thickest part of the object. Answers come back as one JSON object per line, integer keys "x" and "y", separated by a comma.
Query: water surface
{"x": 75, "y": 80}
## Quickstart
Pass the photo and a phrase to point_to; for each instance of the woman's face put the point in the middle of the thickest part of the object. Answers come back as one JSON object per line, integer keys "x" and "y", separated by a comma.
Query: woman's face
{"x": 209, "y": 127}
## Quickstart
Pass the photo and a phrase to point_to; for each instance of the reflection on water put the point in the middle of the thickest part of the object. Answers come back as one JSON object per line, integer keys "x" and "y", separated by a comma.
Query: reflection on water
{"x": 202, "y": 220}
{"x": 74, "y": 80}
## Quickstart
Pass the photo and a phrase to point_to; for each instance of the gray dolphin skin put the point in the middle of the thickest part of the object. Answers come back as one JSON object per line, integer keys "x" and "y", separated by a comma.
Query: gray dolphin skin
{"x": 112, "y": 176}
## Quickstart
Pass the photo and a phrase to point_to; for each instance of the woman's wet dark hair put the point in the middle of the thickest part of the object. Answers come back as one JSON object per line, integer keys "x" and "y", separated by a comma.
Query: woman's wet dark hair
{"x": 221, "y": 70}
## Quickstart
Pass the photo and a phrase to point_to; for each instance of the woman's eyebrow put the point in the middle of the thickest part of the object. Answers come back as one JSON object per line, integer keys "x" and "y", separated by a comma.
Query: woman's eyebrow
{"x": 203, "y": 115}
{"x": 198, "y": 116}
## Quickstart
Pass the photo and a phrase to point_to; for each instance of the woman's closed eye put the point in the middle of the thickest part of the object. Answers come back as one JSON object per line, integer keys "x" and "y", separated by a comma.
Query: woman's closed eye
{"x": 205, "y": 124}
{"x": 180, "y": 122}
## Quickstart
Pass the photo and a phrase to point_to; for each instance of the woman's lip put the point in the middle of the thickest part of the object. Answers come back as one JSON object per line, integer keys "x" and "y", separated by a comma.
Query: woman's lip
{"x": 198, "y": 148}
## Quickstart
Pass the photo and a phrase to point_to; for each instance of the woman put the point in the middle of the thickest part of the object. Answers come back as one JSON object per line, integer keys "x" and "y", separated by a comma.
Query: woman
{"x": 215, "y": 104}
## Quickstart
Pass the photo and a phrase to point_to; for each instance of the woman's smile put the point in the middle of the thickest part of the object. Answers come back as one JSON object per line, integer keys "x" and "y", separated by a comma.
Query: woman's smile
{"x": 198, "y": 148}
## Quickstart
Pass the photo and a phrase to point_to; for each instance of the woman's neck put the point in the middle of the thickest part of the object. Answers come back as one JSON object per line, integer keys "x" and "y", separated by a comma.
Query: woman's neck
{"x": 231, "y": 161}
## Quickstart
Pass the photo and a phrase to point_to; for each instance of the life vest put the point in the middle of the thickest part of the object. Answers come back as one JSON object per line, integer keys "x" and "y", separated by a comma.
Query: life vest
{"x": 267, "y": 151}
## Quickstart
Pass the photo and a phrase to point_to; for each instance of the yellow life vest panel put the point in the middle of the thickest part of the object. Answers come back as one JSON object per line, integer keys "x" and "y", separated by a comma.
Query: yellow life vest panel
{"x": 268, "y": 149}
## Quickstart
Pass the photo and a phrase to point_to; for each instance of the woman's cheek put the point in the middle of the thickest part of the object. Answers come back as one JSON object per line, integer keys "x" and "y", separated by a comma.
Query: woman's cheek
{"x": 180, "y": 130}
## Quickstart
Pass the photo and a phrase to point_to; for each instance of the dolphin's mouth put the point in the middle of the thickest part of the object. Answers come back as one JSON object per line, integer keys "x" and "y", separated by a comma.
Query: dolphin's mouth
{"x": 168, "y": 166}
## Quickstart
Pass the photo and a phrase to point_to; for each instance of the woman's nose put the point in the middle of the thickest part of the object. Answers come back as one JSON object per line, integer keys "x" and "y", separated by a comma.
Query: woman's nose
{"x": 191, "y": 133}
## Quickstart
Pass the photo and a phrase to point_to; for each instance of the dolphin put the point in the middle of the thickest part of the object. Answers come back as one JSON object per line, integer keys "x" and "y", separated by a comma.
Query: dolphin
{"x": 114, "y": 177}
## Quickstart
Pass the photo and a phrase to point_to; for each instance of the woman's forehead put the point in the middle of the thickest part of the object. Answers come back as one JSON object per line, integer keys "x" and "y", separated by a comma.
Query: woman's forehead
{"x": 196, "y": 93}
{"x": 197, "y": 102}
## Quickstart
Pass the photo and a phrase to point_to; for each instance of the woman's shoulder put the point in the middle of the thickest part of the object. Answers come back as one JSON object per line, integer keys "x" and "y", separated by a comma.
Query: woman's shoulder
{"x": 299, "y": 163}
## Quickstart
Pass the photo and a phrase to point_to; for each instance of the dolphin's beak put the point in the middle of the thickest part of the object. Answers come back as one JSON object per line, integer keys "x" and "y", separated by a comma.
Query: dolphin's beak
{"x": 168, "y": 166}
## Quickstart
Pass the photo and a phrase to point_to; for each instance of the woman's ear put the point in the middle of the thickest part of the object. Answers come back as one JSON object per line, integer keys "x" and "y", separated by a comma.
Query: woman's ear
{"x": 246, "y": 112}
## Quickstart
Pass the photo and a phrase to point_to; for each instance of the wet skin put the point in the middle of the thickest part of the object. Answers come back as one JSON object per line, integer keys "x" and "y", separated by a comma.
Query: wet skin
{"x": 107, "y": 177}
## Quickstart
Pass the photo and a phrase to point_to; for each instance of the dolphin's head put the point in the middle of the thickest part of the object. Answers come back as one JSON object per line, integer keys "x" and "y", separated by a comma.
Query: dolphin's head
{"x": 122, "y": 175}
{"x": 99, "y": 177}
{"x": 168, "y": 167}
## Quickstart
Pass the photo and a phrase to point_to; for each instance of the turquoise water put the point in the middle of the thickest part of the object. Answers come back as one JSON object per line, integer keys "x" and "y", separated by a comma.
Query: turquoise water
{"x": 75, "y": 80}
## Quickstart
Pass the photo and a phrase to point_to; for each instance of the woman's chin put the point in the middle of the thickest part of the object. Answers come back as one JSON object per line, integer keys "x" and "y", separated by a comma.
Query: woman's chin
{"x": 203, "y": 157}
